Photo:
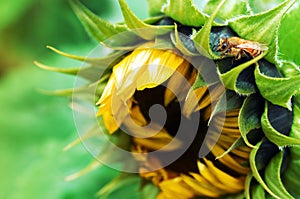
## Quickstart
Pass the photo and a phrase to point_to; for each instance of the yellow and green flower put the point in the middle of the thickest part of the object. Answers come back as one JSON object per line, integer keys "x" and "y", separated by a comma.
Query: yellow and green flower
{"x": 247, "y": 110}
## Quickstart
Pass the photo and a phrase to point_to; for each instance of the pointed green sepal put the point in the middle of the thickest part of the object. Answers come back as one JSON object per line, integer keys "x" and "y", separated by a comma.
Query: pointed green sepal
{"x": 202, "y": 37}
{"x": 185, "y": 12}
{"x": 291, "y": 174}
{"x": 149, "y": 191}
{"x": 99, "y": 29}
{"x": 101, "y": 62}
{"x": 272, "y": 134}
{"x": 295, "y": 128}
{"x": 262, "y": 27}
{"x": 273, "y": 177}
{"x": 248, "y": 186}
{"x": 249, "y": 117}
{"x": 120, "y": 186}
{"x": 257, "y": 191}
{"x": 88, "y": 72}
{"x": 279, "y": 91}
{"x": 183, "y": 43}
{"x": 69, "y": 71}
{"x": 231, "y": 9}
{"x": 289, "y": 69}
{"x": 140, "y": 28}
{"x": 288, "y": 36}
{"x": 90, "y": 92}
{"x": 155, "y": 7}
{"x": 231, "y": 78}
{"x": 255, "y": 171}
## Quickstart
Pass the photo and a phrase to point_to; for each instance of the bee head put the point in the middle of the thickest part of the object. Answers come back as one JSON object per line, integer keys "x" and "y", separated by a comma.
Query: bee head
{"x": 223, "y": 45}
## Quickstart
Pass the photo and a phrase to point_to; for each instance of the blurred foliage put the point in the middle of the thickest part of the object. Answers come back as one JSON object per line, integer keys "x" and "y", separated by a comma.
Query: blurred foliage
{"x": 34, "y": 128}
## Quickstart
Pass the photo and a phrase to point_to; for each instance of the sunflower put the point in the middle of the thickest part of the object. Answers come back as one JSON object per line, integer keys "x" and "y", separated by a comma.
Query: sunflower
{"x": 201, "y": 115}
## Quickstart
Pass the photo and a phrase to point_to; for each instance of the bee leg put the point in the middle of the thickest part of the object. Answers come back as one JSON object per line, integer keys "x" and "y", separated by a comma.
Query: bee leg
{"x": 238, "y": 56}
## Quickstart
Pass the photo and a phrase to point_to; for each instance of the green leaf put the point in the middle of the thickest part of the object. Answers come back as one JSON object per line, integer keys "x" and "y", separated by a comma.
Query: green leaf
{"x": 88, "y": 72}
{"x": 263, "y": 5}
{"x": 273, "y": 177}
{"x": 248, "y": 186}
{"x": 230, "y": 78}
{"x": 295, "y": 129}
{"x": 153, "y": 20}
{"x": 99, "y": 29}
{"x": 163, "y": 43}
{"x": 255, "y": 171}
{"x": 258, "y": 191}
{"x": 87, "y": 92}
{"x": 262, "y": 27}
{"x": 230, "y": 9}
{"x": 292, "y": 173}
{"x": 125, "y": 184}
{"x": 291, "y": 176}
{"x": 155, "y": 7}
{"x": 289, "y": 69}
{"x": 180, "y": 45}
{"x": 178, "y": 9}
{"x": 249, "y": 117}
{"x": 110, "y": 59}
{"x": 288, "y": 40}
{"x": 202, "y": 37}
{"x": 273, "y": 135}
{"x": 143, "y": 30}
{"x": 279, "y": 91}
{"x": 245, "y": 83}
{"x": 149, "y": 191}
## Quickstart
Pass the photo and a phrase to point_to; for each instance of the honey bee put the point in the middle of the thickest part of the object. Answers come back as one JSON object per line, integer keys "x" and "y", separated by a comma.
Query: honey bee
{"x": 238, "y": 48}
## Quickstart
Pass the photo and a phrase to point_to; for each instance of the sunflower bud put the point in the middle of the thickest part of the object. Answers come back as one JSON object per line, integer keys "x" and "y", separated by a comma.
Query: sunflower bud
{"x": 197, "y": 99}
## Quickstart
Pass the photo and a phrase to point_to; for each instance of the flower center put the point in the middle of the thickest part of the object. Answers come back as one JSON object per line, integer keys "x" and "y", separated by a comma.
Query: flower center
{"x": 187, "y": 162}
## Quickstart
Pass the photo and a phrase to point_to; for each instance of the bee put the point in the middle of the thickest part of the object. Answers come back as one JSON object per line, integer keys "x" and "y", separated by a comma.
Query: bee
{"x": 238, "y": 48}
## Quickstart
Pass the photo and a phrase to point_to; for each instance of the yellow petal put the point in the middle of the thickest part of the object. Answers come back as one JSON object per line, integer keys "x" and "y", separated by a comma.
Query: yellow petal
{"x": 233, "y": 113}
{"x": 160, "y": 67}
{"x": 137, "y": 116}
{"x": 158, "y": 141}
{"x": 234, "y": 132}
{"x": 213, "y": 96}
{"x": 236, "y": 184}
{"x": 109, "y": 122}
{"x": 210, "y": 176}
{"x": 176, "y": 188}
{"x": 108, "y": 90}
{"x": 127, "y": 72}
{"x": 231, "y": 122}
{"x": 192, "y": 99}
{"x": 207, "y": 174}
{"x": 177, "y": 83}
{"x": 202, "y": 189}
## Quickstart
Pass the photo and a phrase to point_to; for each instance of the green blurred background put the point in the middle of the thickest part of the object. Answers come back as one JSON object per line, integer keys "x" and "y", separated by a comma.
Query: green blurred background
{"x": 34, "y": 127}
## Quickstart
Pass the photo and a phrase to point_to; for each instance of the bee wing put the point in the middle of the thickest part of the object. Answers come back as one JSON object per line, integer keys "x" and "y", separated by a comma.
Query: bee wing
{"x": 253, "y": 45}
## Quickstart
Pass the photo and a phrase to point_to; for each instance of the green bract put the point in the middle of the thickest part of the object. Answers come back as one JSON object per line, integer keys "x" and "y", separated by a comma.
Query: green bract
{"x": 267, "y": 87}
